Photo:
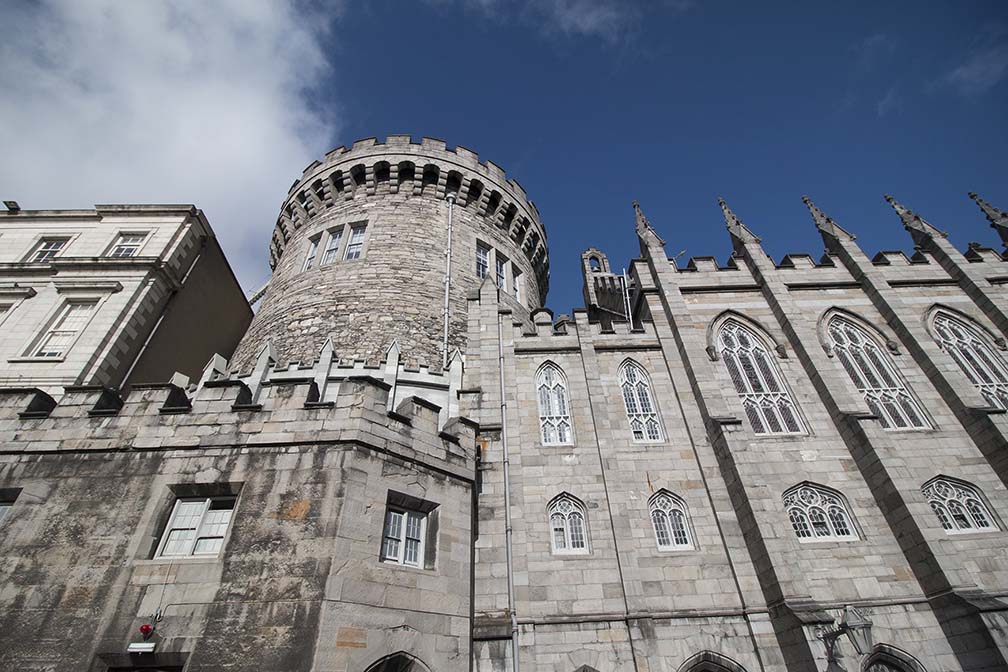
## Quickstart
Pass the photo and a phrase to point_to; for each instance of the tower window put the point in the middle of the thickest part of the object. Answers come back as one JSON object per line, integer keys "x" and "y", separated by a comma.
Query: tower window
{"x": 516, "y": 282}
{"x": 482, "y": 260}
{"x": 312, "y": 251}
{"x": 197, "y": 527}
{"x": 65, "y": 328}
{"x": 127, "y": 245}
{"x": 355, "y": 245}
{"x": 331, "y": 251}
{"x": 500, "y": 262}
{"x": 47, "y": 249}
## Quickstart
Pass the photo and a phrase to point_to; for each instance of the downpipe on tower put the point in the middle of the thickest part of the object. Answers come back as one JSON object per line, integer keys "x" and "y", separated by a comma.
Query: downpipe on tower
{"x": 447, "y": 277}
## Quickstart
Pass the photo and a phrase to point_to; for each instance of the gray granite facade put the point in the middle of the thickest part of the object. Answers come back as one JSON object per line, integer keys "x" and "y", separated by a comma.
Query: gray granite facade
{"x": 316, "y": 454}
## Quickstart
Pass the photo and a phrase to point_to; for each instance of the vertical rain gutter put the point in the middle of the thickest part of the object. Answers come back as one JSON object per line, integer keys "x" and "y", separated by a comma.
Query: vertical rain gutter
{"x": 447, "y": 276}
{"x": 507, "y": 500}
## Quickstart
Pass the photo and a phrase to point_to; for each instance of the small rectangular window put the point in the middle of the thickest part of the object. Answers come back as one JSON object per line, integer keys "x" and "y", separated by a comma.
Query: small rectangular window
{"x": 7, "y": 497}
{"x": 5, "y": 508}
{"x": 65, "y": 329}
{"x": 197, "y": 527}
{"x": 482, "y": 260}
{"x": 355, "y": 245}
{"x": 501, "y": 267}
{"x": 403, "y": 537}
{"x": 516, "y": 283}
{"x": 47, "y": 249}
{"x": 332, "y": 247}
{"x": 312, "y": 251}
{"x": 127, "y": 245}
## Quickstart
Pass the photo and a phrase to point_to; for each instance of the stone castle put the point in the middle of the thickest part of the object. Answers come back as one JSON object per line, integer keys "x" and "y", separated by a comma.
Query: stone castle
{"x": 403, "y": 462}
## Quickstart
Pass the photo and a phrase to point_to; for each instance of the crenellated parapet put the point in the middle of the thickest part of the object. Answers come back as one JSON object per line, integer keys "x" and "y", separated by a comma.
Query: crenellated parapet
{"x": 427, "y": 168}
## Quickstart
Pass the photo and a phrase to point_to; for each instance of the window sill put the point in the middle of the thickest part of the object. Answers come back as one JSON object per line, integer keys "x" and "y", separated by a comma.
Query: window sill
{"x": 185, "y": 560}
{"x": 24, "y": 360}
{"x": 832, "y": 540}
{"x": 571, "y": 554}
{"x": 392, "y": 564}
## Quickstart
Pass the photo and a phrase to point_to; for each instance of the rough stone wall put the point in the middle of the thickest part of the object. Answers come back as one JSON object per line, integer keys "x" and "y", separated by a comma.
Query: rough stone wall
{"x": 298, "y": 585}
{"x": 395, "y": 291}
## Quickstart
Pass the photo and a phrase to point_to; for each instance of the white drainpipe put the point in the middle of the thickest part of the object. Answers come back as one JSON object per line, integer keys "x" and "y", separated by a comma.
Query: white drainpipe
{"x": 447, "y": 276}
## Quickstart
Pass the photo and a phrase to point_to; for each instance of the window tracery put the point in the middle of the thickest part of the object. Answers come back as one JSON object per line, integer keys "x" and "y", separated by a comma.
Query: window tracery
{"x": 970, "y": 349}
{"x": 642, "y": 414}
{"x": 670, "y": 521}
{"x": 818, "y": 514}
{"x": 959, "y": 506}
{"x": 554, "y": 411}
{"x": 568, "y": 529}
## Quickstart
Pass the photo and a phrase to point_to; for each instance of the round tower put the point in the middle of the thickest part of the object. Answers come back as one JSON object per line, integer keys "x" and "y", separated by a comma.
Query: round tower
{"x": 359, "y": 253}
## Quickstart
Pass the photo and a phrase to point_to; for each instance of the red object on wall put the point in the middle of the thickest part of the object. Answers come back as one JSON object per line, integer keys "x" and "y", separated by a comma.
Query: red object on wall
{"x": 146, "y": 629}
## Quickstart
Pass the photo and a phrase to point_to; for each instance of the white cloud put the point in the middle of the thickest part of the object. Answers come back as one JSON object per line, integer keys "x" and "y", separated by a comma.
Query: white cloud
{"x": 142, "y": 102}
{"x": 981, "y": 71}
{"x": 890, "y": 102}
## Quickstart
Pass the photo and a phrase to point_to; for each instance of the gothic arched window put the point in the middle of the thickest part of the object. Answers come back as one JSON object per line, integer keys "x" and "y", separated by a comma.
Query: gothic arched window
{"x": 765, "y": 398}
{"x": 875, "y": 376}
{"x": 642, "y": 413}
{"x": 959, "y": 506}
{"x": 970, "y": 348}
{"x": 670, "y": 521}
{"x": 817, "y": 513}
{"x": 554, "y": 412}
{"x": 568, "y": 526}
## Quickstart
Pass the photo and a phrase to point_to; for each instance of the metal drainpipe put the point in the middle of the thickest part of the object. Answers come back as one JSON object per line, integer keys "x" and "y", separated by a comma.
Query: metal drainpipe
{"x": 507, "y": 501}
{"x": 447, "y": 275}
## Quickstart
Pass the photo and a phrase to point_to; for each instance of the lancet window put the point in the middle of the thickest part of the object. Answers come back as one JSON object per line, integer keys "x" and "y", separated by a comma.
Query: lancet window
{"x": 638, "y": 400}
{"x": 818, "y": 514}
{"x": 875, "y": 376}
{"x": 959, "y": 506}
{"x": 554, "y": 411}
{"x": 765, "y": 398}
{"x": 670, "y": 521}
{"x": 974, "y": 354}
{"x": 568, "y": 529}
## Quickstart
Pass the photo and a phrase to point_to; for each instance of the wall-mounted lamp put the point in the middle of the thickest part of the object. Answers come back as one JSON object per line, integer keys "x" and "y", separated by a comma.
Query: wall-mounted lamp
{"x": 855, "y": 624}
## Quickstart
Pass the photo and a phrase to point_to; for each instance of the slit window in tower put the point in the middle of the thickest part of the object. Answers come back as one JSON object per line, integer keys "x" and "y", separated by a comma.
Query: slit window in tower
{"x": 332, "y": 247}
{"x": 482, "y": 260}
{"x": 355, "y": 245}
{"x": 312, "y": 251}
{"x": 501, "y": 267}
{"x": 516, "y": 283}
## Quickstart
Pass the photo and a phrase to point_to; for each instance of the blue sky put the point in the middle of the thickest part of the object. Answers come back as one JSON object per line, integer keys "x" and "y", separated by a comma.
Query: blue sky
{"x": 590, "y": 104}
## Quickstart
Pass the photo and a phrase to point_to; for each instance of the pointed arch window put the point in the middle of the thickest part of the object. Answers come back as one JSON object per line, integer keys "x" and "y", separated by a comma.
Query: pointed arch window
{"x": 758, "y": 381}
{"x": 670, "y": 521}
{"x": 959, "y": 506}
{"x": 642, "y": 413}
{"x": 972, "y": 351}
{"x": 568, "y": 526}
{"x": 554, "y": 411}
{"x": 818, "y": 514}
{"x": 875, "y": 376}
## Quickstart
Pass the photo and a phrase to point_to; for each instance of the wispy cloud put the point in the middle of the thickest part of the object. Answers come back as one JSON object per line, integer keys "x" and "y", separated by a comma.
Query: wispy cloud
{"x": 873, "y": 50}
{"x": 981, "y": 71}
{"x": 202, "y": 102}
{"x": 890, "y": 102}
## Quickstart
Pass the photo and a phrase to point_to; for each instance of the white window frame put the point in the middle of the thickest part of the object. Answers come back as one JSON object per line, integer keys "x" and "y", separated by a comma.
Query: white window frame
{"x": 483, "y": 263}
{"x": 554, "y": 407}
{"x": 516, "y": 282}
{"x": 201, "y": 522}
{"x": 665, "y": 504}
{"x": 40, "y": 249}
{"x": 56, "y": 321}
{"x": 875, "y": 376}
{"x": 765, "y": 395}
{"x": 313, "y": 244}
{"x": 977, "y": 358}
{"x": 331, "y": 253}
{"x": 353, "y": 247}
{"x": 564, "y": 509}
{"x": 806, "y": 500}
{"x": 397, "y": 531}
{"x": 120, "y": 242}
{"x": 953, "y": 501}
{"x": 639, "y": 403}
{"x": 500, "y": 271}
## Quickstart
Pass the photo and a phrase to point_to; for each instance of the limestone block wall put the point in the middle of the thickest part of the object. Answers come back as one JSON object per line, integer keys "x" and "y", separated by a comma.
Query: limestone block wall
{"x": 395, "y": 290}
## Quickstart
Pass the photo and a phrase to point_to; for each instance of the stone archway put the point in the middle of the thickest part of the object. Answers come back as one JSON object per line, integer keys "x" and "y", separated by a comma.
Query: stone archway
{"x": 398, "y": 662}
{"x": 888, "y": 658}
{"x": 709, "y": 661}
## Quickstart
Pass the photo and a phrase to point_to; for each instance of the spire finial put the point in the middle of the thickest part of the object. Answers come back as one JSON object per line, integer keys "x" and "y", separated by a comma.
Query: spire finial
{"x": 825, "y": 223}
{"x": 998, "y": 219}
{"x": 919, "y": 228}
{"x": 643, "y": 226}
{"x": 735, "y": 226}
